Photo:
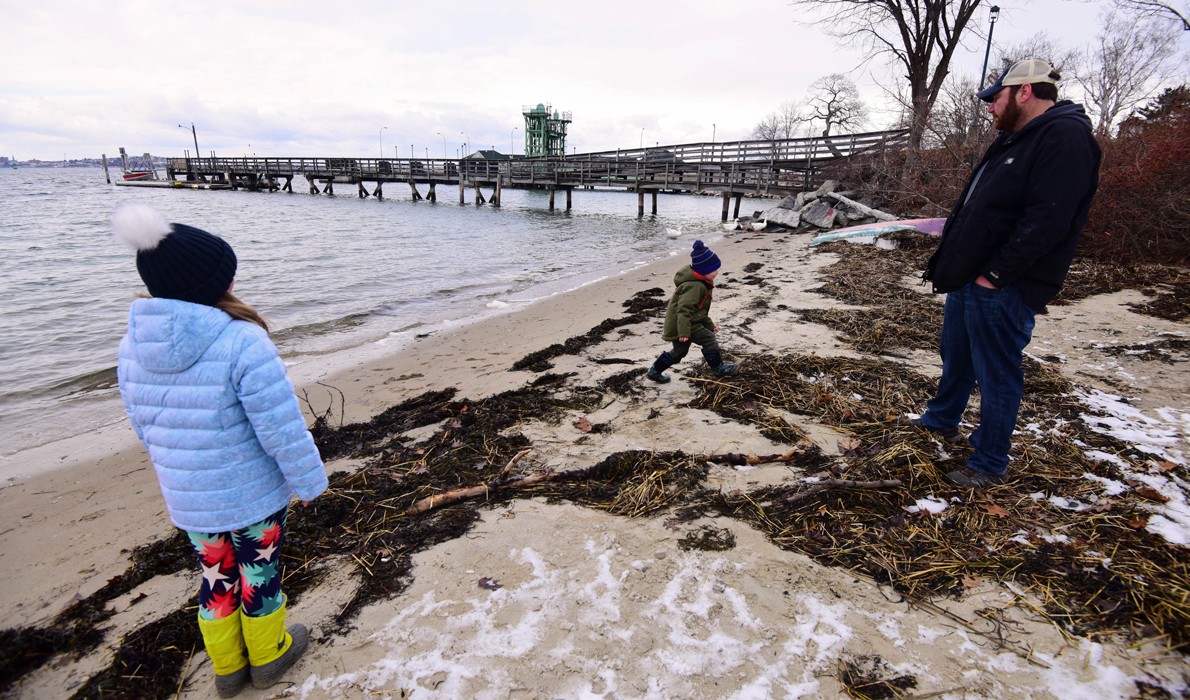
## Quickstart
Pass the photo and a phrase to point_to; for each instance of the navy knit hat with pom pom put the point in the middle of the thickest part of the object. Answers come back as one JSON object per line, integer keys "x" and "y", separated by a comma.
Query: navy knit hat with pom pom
{"x": 175, "y": 261}
{"x": 702, "y": 260}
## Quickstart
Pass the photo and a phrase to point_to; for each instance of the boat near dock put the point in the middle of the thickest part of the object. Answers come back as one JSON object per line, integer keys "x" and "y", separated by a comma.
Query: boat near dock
{"x": 140, "y": 172}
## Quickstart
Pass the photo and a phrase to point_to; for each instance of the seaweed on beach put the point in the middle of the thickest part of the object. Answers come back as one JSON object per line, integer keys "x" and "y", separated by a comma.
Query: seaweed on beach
{"x": 891, "y": 315}
{"x": 1084, "y": 555}
{"x": 708, "y": 539}
{"x": 625, "y": 383}
{"x": 360, "y": 519}
{"x": 1168, "y": 286}
{"x": 148, "y": 659}
{"x": 871, "y": 678}
{"x": 1166, "y": 349}
{"x": 421, "y": 410}
{"x": 1170, "y": 298}
{"x": 642, "y": 307}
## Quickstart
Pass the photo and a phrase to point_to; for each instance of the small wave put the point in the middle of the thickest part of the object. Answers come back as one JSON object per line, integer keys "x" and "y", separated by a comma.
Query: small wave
{"x": 99, "y": 380}
{"x": 321, "y": 328}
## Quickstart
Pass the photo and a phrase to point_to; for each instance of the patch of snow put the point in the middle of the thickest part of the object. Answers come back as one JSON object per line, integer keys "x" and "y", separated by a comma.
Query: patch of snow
{"x": 930, "y": 504}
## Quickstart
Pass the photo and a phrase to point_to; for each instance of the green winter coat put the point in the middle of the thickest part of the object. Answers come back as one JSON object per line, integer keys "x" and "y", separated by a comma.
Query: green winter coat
{"x": 689, "y": 307}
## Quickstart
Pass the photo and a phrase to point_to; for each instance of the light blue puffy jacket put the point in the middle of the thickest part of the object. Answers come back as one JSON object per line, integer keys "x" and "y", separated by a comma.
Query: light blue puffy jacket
{"x": 209, "y": 398}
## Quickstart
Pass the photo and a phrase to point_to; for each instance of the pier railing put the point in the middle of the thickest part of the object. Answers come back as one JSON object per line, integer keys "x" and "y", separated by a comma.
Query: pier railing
{"x": 750, "y": 166}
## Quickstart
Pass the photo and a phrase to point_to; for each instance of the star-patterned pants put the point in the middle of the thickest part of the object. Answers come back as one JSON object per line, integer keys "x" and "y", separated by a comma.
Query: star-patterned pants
{"x": 240, "y": 569}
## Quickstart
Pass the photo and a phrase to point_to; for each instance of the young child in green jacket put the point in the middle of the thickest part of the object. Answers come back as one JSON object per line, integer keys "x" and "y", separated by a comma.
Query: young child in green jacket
{"x": 687, "y": 319}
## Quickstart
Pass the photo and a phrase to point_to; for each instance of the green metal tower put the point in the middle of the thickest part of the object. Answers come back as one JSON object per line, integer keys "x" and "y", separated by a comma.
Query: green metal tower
{"x": 545, "y": 131}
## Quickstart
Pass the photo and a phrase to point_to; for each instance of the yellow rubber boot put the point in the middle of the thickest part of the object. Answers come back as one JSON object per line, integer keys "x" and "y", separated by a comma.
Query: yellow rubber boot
{"x": 224, "y": 641}
{"x": 271, "y": 648}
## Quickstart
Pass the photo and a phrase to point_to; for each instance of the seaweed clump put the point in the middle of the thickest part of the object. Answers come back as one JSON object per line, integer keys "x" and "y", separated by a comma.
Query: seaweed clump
{"x": 1083, "y": 552}
{"x": 641, "y": 307}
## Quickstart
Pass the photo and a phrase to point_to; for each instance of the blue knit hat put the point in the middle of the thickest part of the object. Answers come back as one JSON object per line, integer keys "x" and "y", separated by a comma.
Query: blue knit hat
{"x": 703, "y": 260}
{"x": 175, "y": 261}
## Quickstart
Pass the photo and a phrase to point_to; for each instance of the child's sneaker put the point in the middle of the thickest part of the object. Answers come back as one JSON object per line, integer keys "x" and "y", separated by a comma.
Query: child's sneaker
{"x": 725, "y": 370}
{"x": 657, "y": 376}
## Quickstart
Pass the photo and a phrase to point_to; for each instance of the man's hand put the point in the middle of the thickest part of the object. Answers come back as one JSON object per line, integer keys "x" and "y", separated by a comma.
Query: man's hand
{"x": 983, "y": 282}
{"x": 683, "y": 340}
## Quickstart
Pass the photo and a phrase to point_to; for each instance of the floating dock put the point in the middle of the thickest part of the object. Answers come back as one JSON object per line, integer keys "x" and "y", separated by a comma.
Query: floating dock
{"x": 179, "y": 184}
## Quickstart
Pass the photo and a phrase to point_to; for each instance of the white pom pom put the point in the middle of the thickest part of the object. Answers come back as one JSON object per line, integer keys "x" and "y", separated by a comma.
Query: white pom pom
{"x": 139, "y": 227}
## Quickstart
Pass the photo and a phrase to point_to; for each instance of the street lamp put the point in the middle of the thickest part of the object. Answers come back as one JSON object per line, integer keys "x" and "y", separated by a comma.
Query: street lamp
{"x": 466, "y": 143}
{"x": 713, "y": 129}
{"x": 511, "y": 143}
{"x": 444, "y": 156}
{"x": 194, "y": 134}
{"x": 992, "y": 17}
{"x": 642, "y": 137}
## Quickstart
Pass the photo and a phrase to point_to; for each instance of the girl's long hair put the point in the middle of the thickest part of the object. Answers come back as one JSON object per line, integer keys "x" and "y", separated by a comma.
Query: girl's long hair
{"x": 231, "y": 305}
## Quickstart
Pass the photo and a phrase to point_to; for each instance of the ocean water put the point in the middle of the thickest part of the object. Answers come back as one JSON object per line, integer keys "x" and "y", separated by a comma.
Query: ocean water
{"x": 328, "y": 273}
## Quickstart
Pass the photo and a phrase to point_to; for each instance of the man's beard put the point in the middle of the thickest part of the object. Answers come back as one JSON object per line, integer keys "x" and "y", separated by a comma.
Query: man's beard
{"x": 1007, "y": 121}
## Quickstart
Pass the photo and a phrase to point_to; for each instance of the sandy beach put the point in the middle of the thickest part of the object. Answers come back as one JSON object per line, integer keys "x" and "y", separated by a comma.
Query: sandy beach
{"x": 546, "y": 598}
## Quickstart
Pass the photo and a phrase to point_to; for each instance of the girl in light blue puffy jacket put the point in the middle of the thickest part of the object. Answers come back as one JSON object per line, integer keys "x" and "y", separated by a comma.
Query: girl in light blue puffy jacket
{"x": 206, "y": 392}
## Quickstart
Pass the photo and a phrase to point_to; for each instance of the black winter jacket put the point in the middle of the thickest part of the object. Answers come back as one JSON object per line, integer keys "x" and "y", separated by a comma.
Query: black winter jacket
{"x": 1018, "y": 221}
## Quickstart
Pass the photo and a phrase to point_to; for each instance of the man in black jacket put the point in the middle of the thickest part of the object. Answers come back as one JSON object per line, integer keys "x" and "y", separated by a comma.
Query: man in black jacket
{"x": 1004, "y": 254}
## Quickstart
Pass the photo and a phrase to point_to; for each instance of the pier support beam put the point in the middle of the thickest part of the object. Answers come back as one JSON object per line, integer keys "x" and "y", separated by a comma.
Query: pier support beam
{"x": 432, "y": 195}
{"x": 363, "y": 191}
{"x": 736, "y": 213}
{"x": 378, "y": 193}
{"x": 568, "y": 191}
{"x": 654, "y": 193}
{"x": 414, "y": 192}
{"x": 462, "y": 192}
{"x": 640, "y": 203}
{"x": 495, "y": 198}
{"x": 479, "y": 195}
{"x": 551, "y": 199}
{"x": 288, "y": 184}
{"x": 726, "y": 201}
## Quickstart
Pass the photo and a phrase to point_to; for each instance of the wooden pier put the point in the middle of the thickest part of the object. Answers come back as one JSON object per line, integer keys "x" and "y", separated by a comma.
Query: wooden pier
{"x": 732, "y": 168}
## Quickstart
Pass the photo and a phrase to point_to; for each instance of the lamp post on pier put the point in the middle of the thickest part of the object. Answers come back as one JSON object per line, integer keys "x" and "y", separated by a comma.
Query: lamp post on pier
{"x": 642, "y": 137}
{"x": 992, "y": 17}
{"x": 466, "y": 143}
{"x": 444, "y": 155}
{"x": 382, "y": 140}
{"x": 511, "y": 142}
{"x": 195, "y": 135}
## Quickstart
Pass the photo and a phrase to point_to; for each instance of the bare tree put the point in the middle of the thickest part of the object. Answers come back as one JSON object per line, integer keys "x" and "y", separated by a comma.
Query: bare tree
{"x": 959, "y": 120}
{"x": 781, "y": 124}
{"x": 834, "y": 101}
{"x": 1152, "y": 8}
{"x": 920, "y": 36}
{"x": 1125, "y": 66}
{"x": 1040, "y": 45}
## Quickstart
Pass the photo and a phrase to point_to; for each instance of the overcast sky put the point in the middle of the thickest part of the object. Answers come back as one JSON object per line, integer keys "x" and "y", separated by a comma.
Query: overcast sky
{"x": 317, "y": 78}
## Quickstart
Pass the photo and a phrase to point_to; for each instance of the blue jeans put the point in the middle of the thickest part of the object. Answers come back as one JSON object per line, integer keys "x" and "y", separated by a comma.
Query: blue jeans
{"x": 984, "y": 333}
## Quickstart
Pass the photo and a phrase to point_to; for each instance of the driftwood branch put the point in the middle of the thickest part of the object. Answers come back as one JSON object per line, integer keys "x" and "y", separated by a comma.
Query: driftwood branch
{"x": 442, "y": 499}
{"x": 863, "y": 209}
{"x": 820, "y": 486}
{"x": 512, "y": 462}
